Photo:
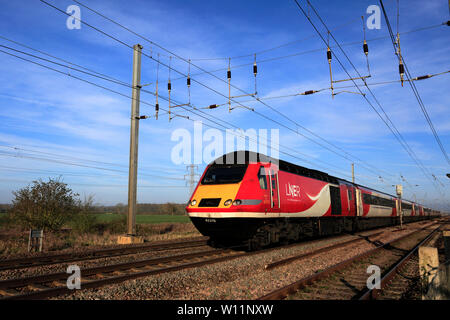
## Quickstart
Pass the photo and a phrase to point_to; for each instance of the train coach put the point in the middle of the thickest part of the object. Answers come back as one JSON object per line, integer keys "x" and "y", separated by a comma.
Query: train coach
{"x": 248, "y": 197}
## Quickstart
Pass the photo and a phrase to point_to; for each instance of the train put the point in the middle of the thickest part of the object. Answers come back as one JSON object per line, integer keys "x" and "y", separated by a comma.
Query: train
{"x": 248, "y": 197}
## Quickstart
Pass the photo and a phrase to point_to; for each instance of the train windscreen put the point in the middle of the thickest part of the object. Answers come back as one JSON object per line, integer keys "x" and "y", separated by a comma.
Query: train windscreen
{"x": 223, "y": 174}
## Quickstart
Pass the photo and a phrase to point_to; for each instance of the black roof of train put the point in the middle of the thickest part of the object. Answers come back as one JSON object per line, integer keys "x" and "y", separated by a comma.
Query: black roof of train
{"x": 243, "y": 157}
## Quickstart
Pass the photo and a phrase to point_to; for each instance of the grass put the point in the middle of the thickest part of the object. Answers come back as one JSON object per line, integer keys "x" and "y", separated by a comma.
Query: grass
{"x": 144, "y": 218}
{"x": 103, "y": 230}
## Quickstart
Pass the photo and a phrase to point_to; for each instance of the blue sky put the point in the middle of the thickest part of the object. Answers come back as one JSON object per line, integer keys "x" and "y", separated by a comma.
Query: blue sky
{"x": 59, "y": 125}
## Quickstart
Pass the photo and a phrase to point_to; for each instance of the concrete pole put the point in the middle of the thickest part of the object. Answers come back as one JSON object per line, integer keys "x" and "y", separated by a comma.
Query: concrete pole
{"x": 134, "y": 137}
{"x": 399, "y": 191}
{"x": 353, "y": 172}
{"x": 401, "y": 213}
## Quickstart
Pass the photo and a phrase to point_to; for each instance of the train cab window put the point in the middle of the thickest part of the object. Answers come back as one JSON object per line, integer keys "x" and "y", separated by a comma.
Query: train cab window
{"x": 349, "y": 195}
{"x": 262, "y": 178}
{"x": 222, "y": 174}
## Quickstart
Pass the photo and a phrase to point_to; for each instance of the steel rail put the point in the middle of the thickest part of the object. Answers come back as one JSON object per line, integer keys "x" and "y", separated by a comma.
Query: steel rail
{"x": 117, "y": 273}
{"x": 29, "y": 262}
{"x": 123, "y": 271}
{"x": 278, "y": 263}
{"x": 294, "y": 287}
{"x": 387, "y": 278}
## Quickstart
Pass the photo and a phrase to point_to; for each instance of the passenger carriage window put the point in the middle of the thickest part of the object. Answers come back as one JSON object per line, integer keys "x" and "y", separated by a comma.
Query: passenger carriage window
{"x": 349, "y": 195}
{"x": 262, "y": 178}
{"x": 274, "y": 183}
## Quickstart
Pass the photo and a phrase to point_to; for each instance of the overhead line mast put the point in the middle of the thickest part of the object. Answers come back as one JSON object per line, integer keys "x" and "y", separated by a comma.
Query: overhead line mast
{"x": 134, "y": 140}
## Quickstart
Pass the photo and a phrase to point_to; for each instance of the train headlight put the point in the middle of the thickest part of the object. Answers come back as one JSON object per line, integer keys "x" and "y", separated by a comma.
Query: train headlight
{"x": 237, "y": 202}
{"x": 228, "y": 202}
{"x": 193, "y": 202}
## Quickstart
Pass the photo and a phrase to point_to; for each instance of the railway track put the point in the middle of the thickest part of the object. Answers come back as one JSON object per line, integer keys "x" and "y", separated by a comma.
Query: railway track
{"x": 54, "y": 284}
{"x": 397, "y": 276}
{"x": 44, "y": 260}
{"x": 48, "y": 285}
{"x": 282, "y": 262}
{"x": 348, "y": 279}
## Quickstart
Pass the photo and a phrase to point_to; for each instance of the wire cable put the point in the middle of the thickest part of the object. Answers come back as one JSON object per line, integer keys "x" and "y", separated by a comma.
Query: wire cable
{"x": 361, "y": 162}
{"x": 396, "y": 133}
{"x": 413, "y": 86}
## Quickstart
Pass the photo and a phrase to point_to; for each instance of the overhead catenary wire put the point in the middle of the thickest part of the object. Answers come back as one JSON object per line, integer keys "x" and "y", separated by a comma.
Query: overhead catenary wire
{"x": 395, "y": 132}
{"x": 114, "y": 80}
{"x": 404, "y": 67}
{"x": 100, "y": 185}
{"x": 176, "y": 115}
{"x": 400, "y": 137}
{"x": 65, "y": 157}
{"x": 309, "y": 92}
{"x": 342, "y": 173}
{"x": 292, "y": 55}
{"x": 33, "y": 157}
{"x": 185, "y": 60}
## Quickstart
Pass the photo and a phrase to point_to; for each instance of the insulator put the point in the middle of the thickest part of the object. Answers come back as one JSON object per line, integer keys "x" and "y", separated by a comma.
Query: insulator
{"x": 255, "y": 69}
{"x": 169, "y": 86}
{"x": 422, "y": 77}
{"x": 213, "y": 106}
{"x": 365, "y": 48}
{"x": 188, "y": 81}
{"x": 401, "y": 68}
{"x": 228, "y": 74}
{"x": 329, "y": 54}
{"x": 157, "y": 107}
{"x": 308, "y": 92}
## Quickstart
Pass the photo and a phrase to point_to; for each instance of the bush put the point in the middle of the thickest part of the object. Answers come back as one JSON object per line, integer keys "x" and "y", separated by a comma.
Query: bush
{"x": 84, "y": 223}
{"x": 4, "y": 219}
{"x": 44, "y": 205}
{"x": 117, "y": 225}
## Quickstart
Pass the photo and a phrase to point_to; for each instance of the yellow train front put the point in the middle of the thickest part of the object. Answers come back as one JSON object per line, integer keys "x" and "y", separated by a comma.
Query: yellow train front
{"x": 224, "y": 205}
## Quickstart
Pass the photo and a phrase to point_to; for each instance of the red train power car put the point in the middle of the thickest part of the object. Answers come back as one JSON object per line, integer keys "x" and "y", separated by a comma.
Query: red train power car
{"x": 249, "y": 197}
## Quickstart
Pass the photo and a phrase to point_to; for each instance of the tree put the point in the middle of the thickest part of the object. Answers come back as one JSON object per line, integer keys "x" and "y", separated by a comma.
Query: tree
{"x": 44, "y": 205}
{"x": 84, "y": 221}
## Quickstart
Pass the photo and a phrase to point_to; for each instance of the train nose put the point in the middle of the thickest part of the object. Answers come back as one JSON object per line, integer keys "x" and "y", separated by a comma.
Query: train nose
{"x": 209, "y": 202}
{"x": 214, "y": 196}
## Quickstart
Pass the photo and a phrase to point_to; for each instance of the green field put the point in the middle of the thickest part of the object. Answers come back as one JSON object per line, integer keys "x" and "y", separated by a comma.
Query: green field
{"x": 140, "y": 218}
{"x": 144, "y": 218}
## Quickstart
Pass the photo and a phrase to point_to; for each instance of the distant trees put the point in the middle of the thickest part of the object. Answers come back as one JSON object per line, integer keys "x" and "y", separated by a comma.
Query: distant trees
{"x": 44, "y": 205}
{"x": 50, "y": 204}
{"x": 121, "y": 208}
{"x": 143, "y": 208}
{"x": 83, "y": 221}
